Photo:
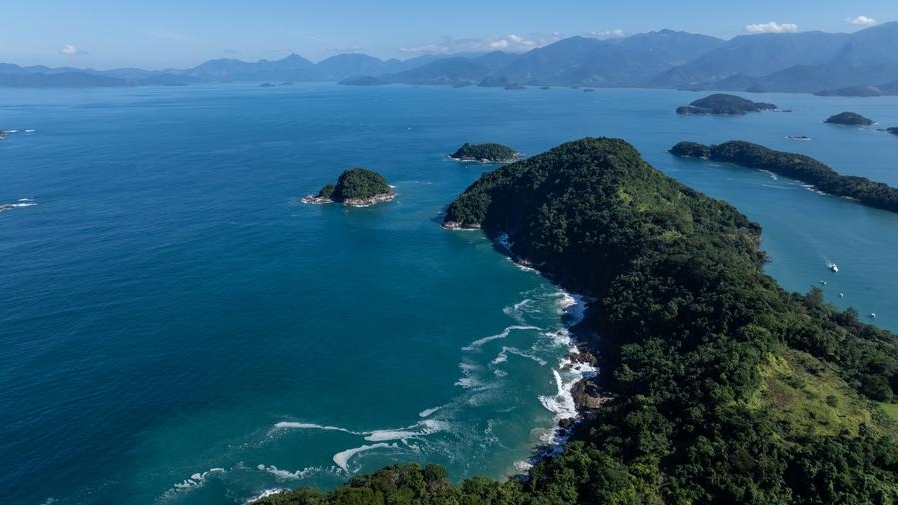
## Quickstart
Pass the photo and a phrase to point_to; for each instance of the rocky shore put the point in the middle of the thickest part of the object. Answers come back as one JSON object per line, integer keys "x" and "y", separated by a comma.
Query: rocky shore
{"x": 352, "y": 202}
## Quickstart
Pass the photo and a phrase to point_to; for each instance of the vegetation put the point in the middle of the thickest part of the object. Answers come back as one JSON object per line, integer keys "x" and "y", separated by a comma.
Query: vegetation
{"x": 327, "y": 191}
{"x": 729, "y": 389}
{"x": 850, "y": 119}
{"x": 720, "y": 103}
{"x": 356, "y": 184}
{"x": 799, "y": 167}
{"x": 486, "y": 153}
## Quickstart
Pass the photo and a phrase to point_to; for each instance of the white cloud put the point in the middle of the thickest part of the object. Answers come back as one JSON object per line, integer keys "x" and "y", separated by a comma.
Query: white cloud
{"x": 861, "y": 21}
{"x": 512, "y": 43}
{"x": 70, "y": 50}
{"x": 608, "y": 34}
{"x": 771, "y": 27}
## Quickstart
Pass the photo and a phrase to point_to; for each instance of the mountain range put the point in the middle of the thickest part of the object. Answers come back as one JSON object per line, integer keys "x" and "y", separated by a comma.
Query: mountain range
{"x": 864, "y": 63}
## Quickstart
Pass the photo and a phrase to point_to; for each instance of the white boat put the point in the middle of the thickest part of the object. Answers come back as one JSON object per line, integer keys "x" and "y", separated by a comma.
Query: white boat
{"x": 834, "y": 267}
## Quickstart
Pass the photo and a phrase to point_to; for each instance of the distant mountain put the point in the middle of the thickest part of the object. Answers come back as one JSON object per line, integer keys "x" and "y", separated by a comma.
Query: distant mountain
{"x": 867, "y": 57}
{"x": 672, "y": 47}
{"x": 864, "y": 63}
{"x": 753, "y": 56}
{"x": 453, "y": 70}
{"x": 291, "y": 68}
{"x": 343, "y": 66}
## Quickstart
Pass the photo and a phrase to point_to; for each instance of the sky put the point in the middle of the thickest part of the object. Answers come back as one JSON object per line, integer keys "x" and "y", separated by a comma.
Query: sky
{"x": 183, "y": 33}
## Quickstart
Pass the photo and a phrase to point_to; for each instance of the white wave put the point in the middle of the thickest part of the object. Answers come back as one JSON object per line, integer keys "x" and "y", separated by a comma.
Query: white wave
{"x": 196, "y": 480}
{"x": 429, "y": 412}
{"x": 24, "y": 204}
{"x": 342, "y": 458}
{"x": 12, "y": 131}
{"x": 507, "y": 331}
{"x": 25, "y": 200}
{"x": 294, "y": 425}
{"x": 562, "y": 404}
{"x": 286, "y": 475}
{"x": 265, "y": 494}
{"x": 522, "y": 466}
{"x": 523, "y": 268}
{"x": 500, "y": 373}
{"x": 30, "y": 131}
{"x": 503, "y": 356}
{"x": 573, "y": 306}
{"x": 424, "y": 428}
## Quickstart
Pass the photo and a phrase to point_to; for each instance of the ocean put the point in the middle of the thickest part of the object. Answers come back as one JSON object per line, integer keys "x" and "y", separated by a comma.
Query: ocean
{"x": 178, "y": 328}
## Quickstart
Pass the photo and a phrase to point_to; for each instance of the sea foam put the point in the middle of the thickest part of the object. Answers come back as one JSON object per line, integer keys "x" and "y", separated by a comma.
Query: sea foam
{"x": 507, "y": 331}
{"x": 342, "y": 458}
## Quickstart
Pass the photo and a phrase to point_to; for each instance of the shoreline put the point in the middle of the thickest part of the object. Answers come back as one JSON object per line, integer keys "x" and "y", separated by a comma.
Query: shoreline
{"x": 585, "y": 393}
{"x": 351, "y": 202}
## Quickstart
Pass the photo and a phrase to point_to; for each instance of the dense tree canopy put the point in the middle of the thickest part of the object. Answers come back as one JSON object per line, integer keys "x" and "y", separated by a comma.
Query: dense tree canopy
{"x": 796, "y": 166}
{"x": 491, "y": 153}
{"x": 850, "y": 119}
{"x": 728, "y": 389}
{"x": 724, "y": 104}
{"x": 356, "y": 184}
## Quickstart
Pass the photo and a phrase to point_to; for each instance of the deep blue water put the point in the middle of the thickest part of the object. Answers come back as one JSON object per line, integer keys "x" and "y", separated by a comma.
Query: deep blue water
{"x": 178, "y": 328}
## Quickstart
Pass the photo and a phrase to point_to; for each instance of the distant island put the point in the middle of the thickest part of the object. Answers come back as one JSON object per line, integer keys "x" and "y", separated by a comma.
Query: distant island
{"x": 849, "y": 119}
{"x": 485, "y": 153}
{"x": 795, "y": 166}
{"x": 893, "y": 130}
{"x": 358, "y": 187}
{"x": 723, "y": 104}
{"x": 363, "y": 81}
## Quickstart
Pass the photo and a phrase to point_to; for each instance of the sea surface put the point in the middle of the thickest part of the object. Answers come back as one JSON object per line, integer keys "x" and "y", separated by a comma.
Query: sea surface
{"x": 176, "y": 327}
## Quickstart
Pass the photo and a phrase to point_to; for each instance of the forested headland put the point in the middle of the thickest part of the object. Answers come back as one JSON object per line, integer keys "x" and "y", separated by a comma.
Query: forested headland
{"x": 728, "y": 388}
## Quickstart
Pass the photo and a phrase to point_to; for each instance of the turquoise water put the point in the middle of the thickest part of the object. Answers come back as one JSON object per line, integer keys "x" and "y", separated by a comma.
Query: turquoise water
{"x": 178, "y": 328}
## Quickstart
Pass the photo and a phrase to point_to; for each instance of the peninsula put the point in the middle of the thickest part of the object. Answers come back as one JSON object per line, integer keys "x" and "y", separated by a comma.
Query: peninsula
{"x": 728, "y": 389}
{"x": 357, "y": 187}
{"x": 722, "y": 104}
{"x": 893, "y": 130}
{"x": 485, "y": 153}
{"x": 795, "y": 166}
{"x": 849, "y": 119}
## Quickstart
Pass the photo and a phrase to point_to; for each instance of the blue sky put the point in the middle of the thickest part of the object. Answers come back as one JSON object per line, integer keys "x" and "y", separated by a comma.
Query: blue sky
{"x": 183, "y": 33}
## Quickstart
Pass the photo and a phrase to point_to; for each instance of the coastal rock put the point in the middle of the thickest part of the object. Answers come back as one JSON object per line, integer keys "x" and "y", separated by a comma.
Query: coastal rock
{"x": 587, "y": 395}
{"x": 457, "y": 225}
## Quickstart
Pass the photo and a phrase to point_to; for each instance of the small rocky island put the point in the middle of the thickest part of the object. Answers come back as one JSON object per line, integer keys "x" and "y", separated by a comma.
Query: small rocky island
{"x": 357, "y": 187}
{"x": 722, "y": 104}
{"x": 485, "y": 153}
{"x": 849, "y": 119}
{"x": 893, "y": 130}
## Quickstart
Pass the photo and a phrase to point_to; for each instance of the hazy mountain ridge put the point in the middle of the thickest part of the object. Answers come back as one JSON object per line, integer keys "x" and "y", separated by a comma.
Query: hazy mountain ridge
{"x": 863, "y": 63}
